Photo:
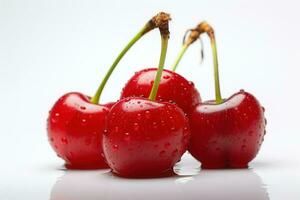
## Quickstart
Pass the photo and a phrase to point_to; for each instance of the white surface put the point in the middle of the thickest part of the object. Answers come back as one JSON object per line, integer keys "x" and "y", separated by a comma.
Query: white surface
{"x": 48, "y": 48}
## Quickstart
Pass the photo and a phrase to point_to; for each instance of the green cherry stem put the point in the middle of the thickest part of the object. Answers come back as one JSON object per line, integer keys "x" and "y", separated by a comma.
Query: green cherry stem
{"x": 163, "y": 53}
{"x": 195, "y": 33}
{"x": 158, "y": 21}
{"x": 204, "y": 27}
{"x": 192, "y": 37}
{"x": 180, "y": 55}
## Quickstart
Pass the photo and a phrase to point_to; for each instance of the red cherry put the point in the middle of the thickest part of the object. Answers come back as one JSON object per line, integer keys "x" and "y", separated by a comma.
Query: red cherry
{"x": 227, "y": 135}
{"x": 75, "y": 128}
{"x": 172, "y": 88}
{"x": 144, "y": 138}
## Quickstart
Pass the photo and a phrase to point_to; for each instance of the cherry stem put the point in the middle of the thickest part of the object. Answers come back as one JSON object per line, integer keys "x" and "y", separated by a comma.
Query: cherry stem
{"x": 179, "y": 56}
{"x": 163, "y": 53}
{"x": 204, "y": 27}
{"x": 195, "y": 33}
{"x": 158, "y": 21}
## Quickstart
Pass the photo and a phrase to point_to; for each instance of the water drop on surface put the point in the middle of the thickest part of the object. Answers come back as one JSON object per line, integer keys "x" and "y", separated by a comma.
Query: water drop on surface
{"x": 126, "y": 137}
{"x": 244, "y": 147}
{"x": 64, "y": 140}
{"x": 105, "y": 131}
{"x": 174, "y": 153}
{"x": 115, "y": 147}
{"x": 191, "y": 83}
{"x": 167, "y": 145}
{"x": 136, "y": 126}
{"x": 162, "y": 153}
{"x": 83, "y": 121}
{"x": 102, "y": 155}
{"x": 147, "y": 114}
{"x": 166, "y": 76}
{"x": 56, "y": 114}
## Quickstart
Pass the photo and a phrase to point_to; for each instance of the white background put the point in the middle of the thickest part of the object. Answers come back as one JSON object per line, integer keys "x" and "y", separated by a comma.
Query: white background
{"x": 48, "y": 48}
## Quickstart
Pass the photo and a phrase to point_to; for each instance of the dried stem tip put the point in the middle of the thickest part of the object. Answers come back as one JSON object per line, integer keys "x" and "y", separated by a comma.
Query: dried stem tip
{"x": 161, "y": 21}
{"x": 195, "y": 33}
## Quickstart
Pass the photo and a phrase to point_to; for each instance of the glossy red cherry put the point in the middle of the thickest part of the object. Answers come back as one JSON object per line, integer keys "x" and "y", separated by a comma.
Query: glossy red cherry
{"x": 144, "y": 138}
{"x": 172, "y": 88}
{"x": 75, "y": 128}
{"x": 227, "y": 135}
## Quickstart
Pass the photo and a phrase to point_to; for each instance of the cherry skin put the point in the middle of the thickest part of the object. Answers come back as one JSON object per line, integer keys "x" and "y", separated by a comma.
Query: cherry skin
{"x": 75, "y": 129}
{"x": 144, "y": 138}
{"x": 227, "y": 135}
{"x": 172, "y": 88}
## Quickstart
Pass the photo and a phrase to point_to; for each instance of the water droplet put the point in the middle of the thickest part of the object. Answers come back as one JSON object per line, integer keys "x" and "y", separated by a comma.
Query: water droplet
{"x": 191, "y": 83}
{"x": 181, "y": 84}
{"x": 88, "y": 141}
{"x": 56, "y": 114}
{"x": 167, "y": 145}
{"x": 139, "y": 116}
{"x": 174, "y": 153}
{"x": 185, "y": 89}
{"x": 173, "y": 128}
{"x": 243, "y": 147}
{"x": 115, "y": 147}
{"x": 127, "y": 137}
{"x": 136, "y": 126}
{"x": 147, "y": 114}
{"x": 250, "y": 133}
{"x": 154, "y": 125}
{"x": 166, "y": 76}
{"x": 171, "y": 117}
{"x": 82, "y": 107}
{"x": 162, "y": 153}
{"x": 102, "y": 155}
{"x": 105, "y": 131}
{"x": 83, "y": 121}
{"x": 64, "y": 140}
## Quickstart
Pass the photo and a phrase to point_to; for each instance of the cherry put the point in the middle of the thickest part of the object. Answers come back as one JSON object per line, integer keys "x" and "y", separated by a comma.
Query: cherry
{"x": 76, "y": 122}
{"x": 75, "y": 127}
{"x": 226, "y": 133}
{"x": 173, "y": 88}
{"x": 143, "y": 137}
